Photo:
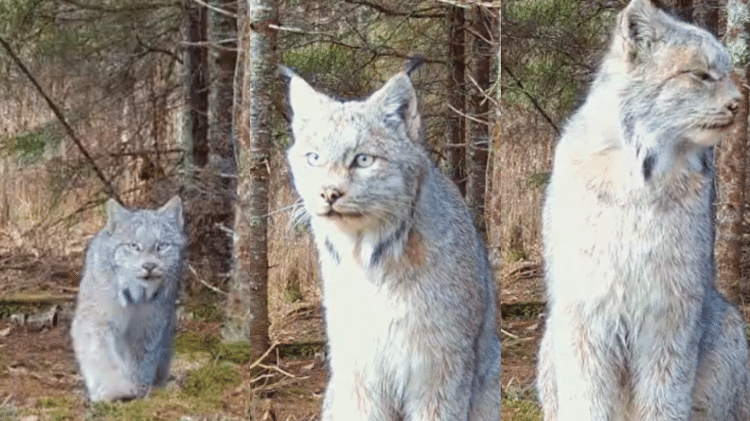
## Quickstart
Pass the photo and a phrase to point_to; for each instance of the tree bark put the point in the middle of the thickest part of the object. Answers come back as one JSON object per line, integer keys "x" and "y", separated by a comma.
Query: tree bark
{"x": 456, "y": 95}
{"x": 222, "y": 177}
{"x": 479, "y": 130}
{"x": 197, "y": 83}
{"x": 247, "y": 307}
{"x": 731, "y": 157}
{"x": 494, "y": 192}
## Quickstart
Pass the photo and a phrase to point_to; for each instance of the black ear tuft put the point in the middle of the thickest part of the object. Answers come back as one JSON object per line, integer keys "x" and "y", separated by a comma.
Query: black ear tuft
{"x": 413, "y": 64}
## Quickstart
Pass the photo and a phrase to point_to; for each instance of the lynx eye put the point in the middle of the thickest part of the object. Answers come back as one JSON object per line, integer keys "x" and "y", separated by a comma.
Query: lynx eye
{"x": 162, "y": 247}
{"x": 312, "y": 158}
{"x": 363, "y": 160}
{"x": 703, "y": 76}
{"x": 134, "y": 246}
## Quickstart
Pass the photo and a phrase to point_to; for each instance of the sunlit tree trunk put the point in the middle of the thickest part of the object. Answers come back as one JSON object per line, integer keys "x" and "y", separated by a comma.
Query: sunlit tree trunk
{"x": 247, "y": 307}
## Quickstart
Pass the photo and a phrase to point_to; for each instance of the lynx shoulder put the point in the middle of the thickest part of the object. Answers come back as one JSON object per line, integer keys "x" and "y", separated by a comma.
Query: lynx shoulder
{"x": 636, "y": 328}
{"x": 408, "y": 294}
{"x": 125, "y": 314}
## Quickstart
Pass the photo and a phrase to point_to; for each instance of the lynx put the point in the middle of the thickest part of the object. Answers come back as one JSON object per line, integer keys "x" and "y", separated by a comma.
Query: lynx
{"x": 125, "y": 315}
{"x": 408, "y": 295}
{"x": 636, "y": 329}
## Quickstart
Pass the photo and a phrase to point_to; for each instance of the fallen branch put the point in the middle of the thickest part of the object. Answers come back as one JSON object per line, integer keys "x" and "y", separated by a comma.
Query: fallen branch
{"x": 37, "y": 298}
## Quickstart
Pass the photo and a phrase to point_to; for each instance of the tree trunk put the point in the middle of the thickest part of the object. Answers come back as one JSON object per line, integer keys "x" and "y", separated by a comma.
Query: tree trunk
{"x": 731, "y": 157}
{"x": 494, "y": 192}
{"x": 456, "y": 96}
{"x": 479, "y": 130}
{"x": 222, "y": 177}
{"x": 247, "y": 307}
{"x": 197, "y": 84}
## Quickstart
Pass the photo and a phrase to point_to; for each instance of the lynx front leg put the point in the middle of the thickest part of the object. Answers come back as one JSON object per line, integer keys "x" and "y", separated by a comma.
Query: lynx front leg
{"x": 446, "y": 400}
{"x": 347, "y": 399}
{"x": 103, "y": 368}
{"x": 664, "y": 370}
{"x": 587, "y": 365}
{"x": 546, "y": 383}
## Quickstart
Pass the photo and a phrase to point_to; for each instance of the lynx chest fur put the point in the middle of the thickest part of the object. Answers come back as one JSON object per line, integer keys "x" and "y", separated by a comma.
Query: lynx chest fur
{"x": 408, "y": 295}
{"x": 636, "y": 329}
{"x": 125, "y": 315}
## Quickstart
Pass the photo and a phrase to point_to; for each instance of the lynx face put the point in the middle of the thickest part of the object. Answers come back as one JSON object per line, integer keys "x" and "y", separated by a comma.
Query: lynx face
{"x": 350, "y": 161}
{"x": 148, "y": 249}
{"x": 680, "y": 79}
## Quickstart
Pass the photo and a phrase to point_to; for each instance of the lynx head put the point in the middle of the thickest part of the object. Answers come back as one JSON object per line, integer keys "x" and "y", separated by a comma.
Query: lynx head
{"x": 147, "y": 248}
{"x": 675, "y": 78}
{"x": 356, "y": 164}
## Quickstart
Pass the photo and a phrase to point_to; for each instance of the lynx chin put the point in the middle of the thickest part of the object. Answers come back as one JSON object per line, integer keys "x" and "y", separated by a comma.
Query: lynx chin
{"x": 125, "y": 314}
{"x": 636, "y": 329}
{"x": 408, "y": 294}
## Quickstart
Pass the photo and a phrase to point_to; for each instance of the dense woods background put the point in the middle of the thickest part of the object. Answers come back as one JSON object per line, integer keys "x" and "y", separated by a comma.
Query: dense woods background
{"x": 144, "y": 99}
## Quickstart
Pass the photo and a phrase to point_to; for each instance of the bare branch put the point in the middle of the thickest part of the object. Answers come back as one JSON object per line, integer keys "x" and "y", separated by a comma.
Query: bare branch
{"x": 533, "y": 100}
{"x": 426, "y": 13}
{"x": 69, "y": 130}
{"x": 217, "y": 9}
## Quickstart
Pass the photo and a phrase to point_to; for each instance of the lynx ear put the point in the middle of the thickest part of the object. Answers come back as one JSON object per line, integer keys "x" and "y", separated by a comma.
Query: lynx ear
{"x": 115, "y": 214}
{"x": 397, "y": 102}
{"x": 637, "y": 27}
{"x": 173, "y": 208}
{"x": 303, "y": 99}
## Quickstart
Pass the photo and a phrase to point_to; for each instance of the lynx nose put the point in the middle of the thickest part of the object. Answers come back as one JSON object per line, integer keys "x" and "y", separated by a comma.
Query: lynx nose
{"x": 734, "y": 106}
{"x": 149, "y": 267}
{"x": 331, "y": 194}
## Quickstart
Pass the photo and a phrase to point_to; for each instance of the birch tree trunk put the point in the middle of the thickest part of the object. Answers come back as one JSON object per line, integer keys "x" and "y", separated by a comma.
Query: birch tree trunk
{"x": 247, "y": 307}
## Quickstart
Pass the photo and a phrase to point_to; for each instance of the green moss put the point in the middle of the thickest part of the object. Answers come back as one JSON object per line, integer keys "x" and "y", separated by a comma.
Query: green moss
{"x": 208, "y": 312}
{"x": 210, "y": 380}
{"x": 6, "y": 309}
{"x": 237, "y": 352}
{"x": 9, "y": 413}
{"x": 293, "y": 292}
{"x": 162, "y": 405}
{"x": 190, "y": 342}
{"x": 522, "y": 410}
{"x": 537, "y": 180}
{"x": 515, "y": 255}
{"x": 522, "y": 309}
{"x": 294, "y": 351}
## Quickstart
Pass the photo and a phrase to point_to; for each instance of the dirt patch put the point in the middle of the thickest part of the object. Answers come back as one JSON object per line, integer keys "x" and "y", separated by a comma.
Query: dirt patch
{"x": 39, "y": 380}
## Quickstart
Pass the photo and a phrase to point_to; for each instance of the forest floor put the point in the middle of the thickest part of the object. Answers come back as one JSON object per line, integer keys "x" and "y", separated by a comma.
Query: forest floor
{"x": 521, "y": 297}
{"x": 39, "y": 378}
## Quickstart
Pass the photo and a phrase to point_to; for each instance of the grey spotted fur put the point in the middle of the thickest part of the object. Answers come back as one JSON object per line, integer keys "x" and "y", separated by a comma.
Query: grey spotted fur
{"x": 125, "y": 315}
{"x": 636, "y": 329}
{"x": 408, "y": 294}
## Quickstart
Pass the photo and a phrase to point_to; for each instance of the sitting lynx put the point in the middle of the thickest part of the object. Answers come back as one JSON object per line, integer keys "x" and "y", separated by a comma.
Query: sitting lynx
{"x": 125, "y": 315}
{"x": 408, "y": 294}
{"x": 636, "y": 329}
